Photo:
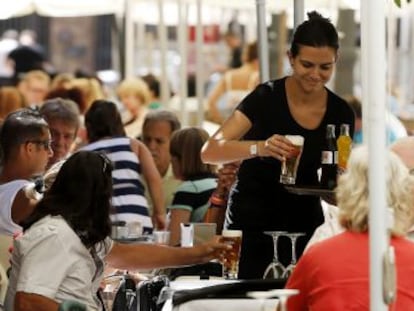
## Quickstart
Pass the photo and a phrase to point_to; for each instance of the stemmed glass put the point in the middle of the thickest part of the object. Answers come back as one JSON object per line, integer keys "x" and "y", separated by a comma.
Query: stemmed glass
{"x": 293, "y": 238}
{"x": 275, "y": 269}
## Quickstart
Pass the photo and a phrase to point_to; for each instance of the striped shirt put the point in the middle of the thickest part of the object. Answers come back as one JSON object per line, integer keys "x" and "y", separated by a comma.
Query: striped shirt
{"x": 193, "y": 195}
{"x": 128, "y": 198}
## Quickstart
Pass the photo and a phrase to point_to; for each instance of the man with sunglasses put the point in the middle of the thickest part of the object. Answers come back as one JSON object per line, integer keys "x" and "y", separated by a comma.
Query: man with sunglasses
{"x": 25, "y": 144}
{"x": 63, "y": 117}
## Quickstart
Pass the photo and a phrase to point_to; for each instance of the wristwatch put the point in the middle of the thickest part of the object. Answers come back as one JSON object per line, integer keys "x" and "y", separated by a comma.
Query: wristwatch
{"x": 253, "y": 150}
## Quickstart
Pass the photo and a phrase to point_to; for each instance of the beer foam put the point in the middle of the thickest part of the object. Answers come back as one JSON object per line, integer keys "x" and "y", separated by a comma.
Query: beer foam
{"x": 297, "y": 140}
{"x": 231, "y": 233}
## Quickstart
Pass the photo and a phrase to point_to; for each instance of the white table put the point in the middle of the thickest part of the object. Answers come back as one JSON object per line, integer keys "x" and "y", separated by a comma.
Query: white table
{"x": 216, "y": 304}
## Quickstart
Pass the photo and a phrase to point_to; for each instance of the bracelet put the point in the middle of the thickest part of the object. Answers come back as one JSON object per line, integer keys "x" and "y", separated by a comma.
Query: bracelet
{"x": 218, "y": 201}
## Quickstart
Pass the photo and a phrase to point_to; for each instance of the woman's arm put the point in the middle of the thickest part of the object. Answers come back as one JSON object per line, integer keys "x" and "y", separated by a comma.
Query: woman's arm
{"x": 225, "y": 145}
{"x": 213, "y": 112}
{"x": 154, "y": 182}
{"x": 177, "y": 216}
{"x": 33, "y": 302}
{"x": 150, "y": 256}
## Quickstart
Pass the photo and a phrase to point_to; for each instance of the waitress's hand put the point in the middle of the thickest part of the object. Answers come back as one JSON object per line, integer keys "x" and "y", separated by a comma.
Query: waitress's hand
{"x": 277, "y": 146}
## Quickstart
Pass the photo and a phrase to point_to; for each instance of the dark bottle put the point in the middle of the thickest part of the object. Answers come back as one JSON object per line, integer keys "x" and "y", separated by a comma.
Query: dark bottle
{"x": 329, "y": 159}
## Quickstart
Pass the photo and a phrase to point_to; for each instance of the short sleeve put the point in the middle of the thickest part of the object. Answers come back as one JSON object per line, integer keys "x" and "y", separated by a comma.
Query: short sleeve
{"x": 45, "y": 262}
{"x": 254, "y": 104}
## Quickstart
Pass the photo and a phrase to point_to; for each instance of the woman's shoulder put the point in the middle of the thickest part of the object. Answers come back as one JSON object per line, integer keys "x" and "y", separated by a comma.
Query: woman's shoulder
{"x": 200, "y": 184}
{"x": 271, "y": 86}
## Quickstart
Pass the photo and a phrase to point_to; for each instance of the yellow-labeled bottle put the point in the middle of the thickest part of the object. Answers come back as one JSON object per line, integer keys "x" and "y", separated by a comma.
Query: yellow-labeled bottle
{"x": 344, "y": 144}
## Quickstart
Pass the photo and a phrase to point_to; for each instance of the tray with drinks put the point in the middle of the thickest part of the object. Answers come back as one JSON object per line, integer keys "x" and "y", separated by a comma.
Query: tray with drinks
{"x": 309, "y": 190}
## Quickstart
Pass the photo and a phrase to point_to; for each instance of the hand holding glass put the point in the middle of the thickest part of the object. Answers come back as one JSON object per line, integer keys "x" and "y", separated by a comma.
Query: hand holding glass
{"x": 290, "y": 164}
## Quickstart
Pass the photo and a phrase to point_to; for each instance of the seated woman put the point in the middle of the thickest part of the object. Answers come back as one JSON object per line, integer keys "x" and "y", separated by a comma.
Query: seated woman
{"x": 334, "y": 274}
{"x": 133, "y": 163}
{"x": 191, "y": 200}
{"x": 65, "y": 244}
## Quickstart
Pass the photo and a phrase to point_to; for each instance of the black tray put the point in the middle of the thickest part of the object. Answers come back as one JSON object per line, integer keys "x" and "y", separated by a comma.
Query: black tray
{"x": 309, "y": 190}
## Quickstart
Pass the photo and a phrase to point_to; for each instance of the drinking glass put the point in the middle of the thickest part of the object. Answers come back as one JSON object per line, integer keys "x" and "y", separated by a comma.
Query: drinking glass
{"x": 231, "y": 258}
{"x": 275, "y": 269}
{"x": 293, "y": 238}
{"x": 290, "y": 165}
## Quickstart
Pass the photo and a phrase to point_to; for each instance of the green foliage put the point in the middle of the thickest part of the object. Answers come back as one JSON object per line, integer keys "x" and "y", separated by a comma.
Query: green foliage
{"x": 398, "y": 2}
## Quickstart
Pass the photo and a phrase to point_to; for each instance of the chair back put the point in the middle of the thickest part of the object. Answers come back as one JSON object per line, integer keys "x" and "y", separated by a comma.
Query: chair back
{"x": 71, "y": 305}
{"x": 4, "y": 282}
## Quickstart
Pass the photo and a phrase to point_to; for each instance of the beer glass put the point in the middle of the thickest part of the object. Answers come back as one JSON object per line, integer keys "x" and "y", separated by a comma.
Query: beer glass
{"x": 231, "y": 257}
{"x": 291, "y": 163}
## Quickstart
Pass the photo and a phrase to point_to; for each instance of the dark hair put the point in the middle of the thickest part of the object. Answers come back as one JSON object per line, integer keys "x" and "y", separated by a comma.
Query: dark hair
{"x": 185, "y": 145}
{"x": 74, "y": 93}
{"x": 250, "y": 52}
{"x": 81, "y": 194}
{"x": 103, "y": 120}
{"x": 64, "y": 110}
{"x": 153, "y": 84}
{"x": 317, "y": 31}
{"x": 162, "y": 115}
{"x": 18, "y": 127}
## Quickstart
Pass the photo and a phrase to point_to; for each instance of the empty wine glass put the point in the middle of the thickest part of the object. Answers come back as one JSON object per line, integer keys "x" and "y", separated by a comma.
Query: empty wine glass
{"x": 293, "y": 238}
{"x": 275, "y": 269}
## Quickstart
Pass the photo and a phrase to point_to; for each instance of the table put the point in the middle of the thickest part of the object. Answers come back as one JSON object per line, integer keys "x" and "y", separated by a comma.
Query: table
{"x": 228, "y": 304}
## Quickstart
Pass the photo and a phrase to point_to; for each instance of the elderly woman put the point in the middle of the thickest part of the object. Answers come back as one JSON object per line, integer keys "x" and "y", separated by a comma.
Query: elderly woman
{"x": 65, "y": 244}
{"x": 334, "y": 274}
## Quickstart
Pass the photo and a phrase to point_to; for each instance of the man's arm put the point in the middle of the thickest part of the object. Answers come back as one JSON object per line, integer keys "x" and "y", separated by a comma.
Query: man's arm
{"x": 22, "y": 206}
{"x": 33, "y": 302}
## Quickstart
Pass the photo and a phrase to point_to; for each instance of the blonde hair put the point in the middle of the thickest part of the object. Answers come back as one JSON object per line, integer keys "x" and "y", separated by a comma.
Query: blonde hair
{"x": 352, "y": 192}
{"x": 91, "y": 90}
{"x": 36, "y": 75}
{"x": 136, "y": 87}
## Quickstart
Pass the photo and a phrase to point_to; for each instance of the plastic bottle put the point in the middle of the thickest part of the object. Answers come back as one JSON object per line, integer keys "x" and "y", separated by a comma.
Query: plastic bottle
{"x": 344, "y": 144}
{"x": 329, "y": 159}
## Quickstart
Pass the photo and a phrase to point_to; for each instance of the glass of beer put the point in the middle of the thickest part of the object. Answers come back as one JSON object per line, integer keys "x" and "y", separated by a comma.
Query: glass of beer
{"x": 231, "y": 258}
{"x": 290, "y": 164}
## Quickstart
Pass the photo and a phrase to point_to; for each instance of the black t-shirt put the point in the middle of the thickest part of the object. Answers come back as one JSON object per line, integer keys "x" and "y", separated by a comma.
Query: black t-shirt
{"x": 258, "y": 202}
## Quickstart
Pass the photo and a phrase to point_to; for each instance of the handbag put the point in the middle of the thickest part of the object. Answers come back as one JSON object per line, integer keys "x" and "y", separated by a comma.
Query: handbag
{"x": 148, "y": 292}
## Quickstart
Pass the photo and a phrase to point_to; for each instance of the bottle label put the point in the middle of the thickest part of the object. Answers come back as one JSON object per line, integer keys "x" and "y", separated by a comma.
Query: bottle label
{"x": 335, "y": 157}
{"x": 327, "y": 157}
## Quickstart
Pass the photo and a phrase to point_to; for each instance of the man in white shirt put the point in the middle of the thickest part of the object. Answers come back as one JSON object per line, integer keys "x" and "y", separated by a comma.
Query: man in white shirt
{"x": 25, "y": 143}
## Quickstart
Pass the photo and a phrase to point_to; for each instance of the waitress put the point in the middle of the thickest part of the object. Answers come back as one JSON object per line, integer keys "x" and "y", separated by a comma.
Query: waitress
{"x": 297, "y": 104}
